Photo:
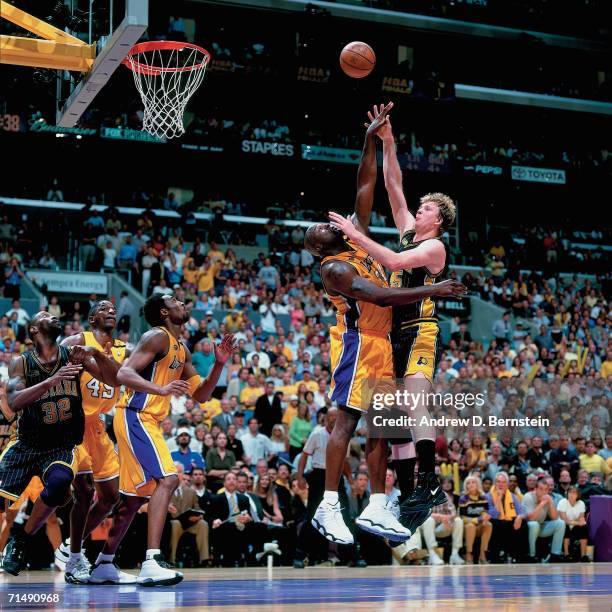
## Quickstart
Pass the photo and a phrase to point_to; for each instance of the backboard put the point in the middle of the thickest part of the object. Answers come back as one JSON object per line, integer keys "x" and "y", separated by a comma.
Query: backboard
{"x": 115, "y": 26}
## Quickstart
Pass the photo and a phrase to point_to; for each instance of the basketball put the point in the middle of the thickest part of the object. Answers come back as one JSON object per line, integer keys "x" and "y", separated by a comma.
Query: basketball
{"x": 357, "y": 59}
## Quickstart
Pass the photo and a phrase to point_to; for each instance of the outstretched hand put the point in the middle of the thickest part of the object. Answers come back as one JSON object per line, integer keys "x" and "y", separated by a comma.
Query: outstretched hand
{"x": 225, "y": 348}
{"x": 451, "y": 289}
{"x": 380, "y": 121}
{"x": 344, "y": 224}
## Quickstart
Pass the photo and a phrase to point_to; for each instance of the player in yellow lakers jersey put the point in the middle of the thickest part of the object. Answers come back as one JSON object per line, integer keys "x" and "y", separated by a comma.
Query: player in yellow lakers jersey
{"x": 422, "y": 259}
{"x": 361, "y": 348}
{"x": 98, "y": 467}
{"x": 159, "y": 367}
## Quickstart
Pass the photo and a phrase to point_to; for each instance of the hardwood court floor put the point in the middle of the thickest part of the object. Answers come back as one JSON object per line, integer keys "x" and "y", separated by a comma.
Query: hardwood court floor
{"x": 503, "y": 588}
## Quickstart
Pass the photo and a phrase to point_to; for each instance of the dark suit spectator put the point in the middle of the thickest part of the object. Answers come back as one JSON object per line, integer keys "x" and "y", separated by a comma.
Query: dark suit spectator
{"x": 268, "y": 410}
{"x": 225, "y": 418}
{"x": 537, "y": 457}
{"x": 234, "y": 444}
{"x": 520, "y": 465}
{"x": 230, "y": 521}
{"x": 198, "y": 484}
{"x": 564, "y": 458}
{"x": 183, "y": 500}
{"x": 564, "y": 484}
{"x": 462, "y": 337}
{"x": 587, "y": 488}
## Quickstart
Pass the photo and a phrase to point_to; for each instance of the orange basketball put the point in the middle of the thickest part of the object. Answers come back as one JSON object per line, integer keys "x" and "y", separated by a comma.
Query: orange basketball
{"x": 357, "y": 59}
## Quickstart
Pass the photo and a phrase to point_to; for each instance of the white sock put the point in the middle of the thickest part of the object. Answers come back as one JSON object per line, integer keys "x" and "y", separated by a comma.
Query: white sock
{"x": 330, "y": 497}
{"x": 75, "y": 556}
{"x": 151, "y": 552}
{"x": 378, "y": 499}
{"x": 101, "y": 558}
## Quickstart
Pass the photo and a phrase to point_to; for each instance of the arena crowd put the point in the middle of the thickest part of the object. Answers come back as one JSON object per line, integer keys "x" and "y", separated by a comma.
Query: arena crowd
{"x": 265, "y": 427}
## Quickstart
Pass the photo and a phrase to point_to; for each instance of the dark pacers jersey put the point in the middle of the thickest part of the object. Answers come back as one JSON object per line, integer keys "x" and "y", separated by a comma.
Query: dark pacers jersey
{"x": 423, "y": 310}
{"x": 56, "y": 419}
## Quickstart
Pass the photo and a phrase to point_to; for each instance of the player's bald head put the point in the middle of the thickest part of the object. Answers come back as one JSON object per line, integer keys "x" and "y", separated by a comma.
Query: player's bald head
{"x": 46, "y": 324}
{"x": 321, "y": 239}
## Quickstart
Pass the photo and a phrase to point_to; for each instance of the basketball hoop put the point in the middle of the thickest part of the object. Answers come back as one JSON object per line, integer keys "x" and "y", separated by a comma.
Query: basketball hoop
{"x": 166, "y": 74}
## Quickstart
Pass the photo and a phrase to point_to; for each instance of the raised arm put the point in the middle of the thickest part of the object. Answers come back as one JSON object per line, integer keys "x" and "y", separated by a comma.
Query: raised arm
{"x": 223, "y": 350}
{"x": 152, "y": 344}
{"x": 21, "y": 396}
{"x": 430, "y": 254}
{"x": 403, "y": 218}
{"x": 367, "y": 172}
{"x": 346, "y": 282}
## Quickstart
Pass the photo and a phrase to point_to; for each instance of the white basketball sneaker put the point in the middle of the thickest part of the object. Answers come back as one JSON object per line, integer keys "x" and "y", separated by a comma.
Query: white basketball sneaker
{"x": 434, "y": 559}
{"x": 107, "y": 572}
{"x": 379, "y": 520}
{"x": 62, "y": 554}
{"x": 157, "y": 572}
{"x": 328, "y": 521}
{"x": 455, "y": 559}
{"x": 77, "y": 571}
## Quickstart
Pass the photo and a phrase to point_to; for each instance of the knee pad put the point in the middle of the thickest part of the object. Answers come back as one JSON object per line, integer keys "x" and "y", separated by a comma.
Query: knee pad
{"x": 57, "y": 485}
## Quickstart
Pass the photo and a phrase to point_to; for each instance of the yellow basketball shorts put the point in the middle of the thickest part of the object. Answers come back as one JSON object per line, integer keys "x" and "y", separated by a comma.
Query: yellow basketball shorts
{"x": 97, "y": 454}
{"x": 144, "y": 457}
{"x": 32, "y": 492}
{"x": 359, "y": 360}
{"x": 416, "y": 349}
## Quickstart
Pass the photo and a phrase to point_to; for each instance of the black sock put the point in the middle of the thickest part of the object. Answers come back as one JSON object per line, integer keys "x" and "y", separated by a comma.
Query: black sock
{"x": 426, "y": 452}
{"x": 404, "y": 468}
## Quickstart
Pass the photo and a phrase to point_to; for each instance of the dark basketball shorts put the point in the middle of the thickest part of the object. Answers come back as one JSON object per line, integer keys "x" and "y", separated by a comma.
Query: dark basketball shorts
{"x": 20, "y": 462}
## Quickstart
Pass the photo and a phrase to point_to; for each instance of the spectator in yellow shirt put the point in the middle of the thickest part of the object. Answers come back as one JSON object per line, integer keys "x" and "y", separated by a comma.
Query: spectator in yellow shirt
{"x": 288, "y": 388}
{"x": 250, "y": 394}
{"x": 498, "y": 250}
{"x": 191, "y": 274}
{"x": 311, "y": 384}
{"x": 592, "y": 462}
{"x": 206, "y": 277}
{"x": 215, "y": 255}
{"x": 606, "y": 366}
{"x": 233, "y": 321}
{"x": 291, "y": 410}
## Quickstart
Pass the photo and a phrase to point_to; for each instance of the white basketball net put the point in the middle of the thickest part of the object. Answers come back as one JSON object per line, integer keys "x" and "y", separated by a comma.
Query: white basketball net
{"x": 166, "y": 79}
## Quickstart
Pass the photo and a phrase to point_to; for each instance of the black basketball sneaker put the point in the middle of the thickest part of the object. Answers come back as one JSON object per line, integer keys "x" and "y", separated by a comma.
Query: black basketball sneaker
{"x": 15, "y": 554}
{"x": 426, "y": 496}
